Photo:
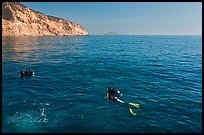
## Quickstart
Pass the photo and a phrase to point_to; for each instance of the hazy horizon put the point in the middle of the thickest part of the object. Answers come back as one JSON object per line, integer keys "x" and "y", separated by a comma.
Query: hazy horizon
{"x": 128, "y": 18}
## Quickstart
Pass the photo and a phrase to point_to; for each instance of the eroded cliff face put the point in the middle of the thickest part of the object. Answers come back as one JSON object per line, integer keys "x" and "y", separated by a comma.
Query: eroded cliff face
{"x": 19, "y": 20}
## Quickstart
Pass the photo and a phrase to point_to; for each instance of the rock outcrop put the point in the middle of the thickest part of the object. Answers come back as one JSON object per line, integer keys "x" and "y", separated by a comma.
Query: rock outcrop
{"x": 19, "y": 20}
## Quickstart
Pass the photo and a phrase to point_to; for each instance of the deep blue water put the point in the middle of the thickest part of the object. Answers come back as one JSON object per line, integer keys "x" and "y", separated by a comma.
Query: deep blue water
{"x": 161, "y": 73}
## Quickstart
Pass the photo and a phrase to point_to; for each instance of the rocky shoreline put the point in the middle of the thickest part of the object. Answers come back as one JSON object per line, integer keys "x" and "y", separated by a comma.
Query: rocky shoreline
{"x": 19, "y": 20}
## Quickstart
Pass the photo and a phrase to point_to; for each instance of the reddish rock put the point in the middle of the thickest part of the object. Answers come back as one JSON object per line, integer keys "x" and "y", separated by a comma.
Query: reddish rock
{"x": 19, "y": 20}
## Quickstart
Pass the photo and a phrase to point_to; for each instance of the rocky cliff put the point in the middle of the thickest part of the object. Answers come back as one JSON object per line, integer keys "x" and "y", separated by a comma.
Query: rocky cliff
{"x": 19, "y": 20}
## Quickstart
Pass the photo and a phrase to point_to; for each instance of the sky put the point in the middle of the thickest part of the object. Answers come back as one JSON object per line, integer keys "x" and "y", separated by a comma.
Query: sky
{"x": 128, "y": 18}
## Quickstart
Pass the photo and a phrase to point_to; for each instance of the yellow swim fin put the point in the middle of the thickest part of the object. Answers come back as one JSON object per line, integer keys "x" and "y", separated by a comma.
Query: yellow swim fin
{"x": 135, "y": 105}
{"x": 132, "y": 112}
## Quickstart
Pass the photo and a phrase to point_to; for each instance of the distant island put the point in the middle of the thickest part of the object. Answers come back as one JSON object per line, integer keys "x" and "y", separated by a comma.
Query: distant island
{"x": 19, "y": 20}
{"x": 111, "y": 33}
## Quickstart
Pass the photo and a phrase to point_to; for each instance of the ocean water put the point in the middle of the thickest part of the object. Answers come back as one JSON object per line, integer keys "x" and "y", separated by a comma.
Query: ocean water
{"x": 67, "y": 94}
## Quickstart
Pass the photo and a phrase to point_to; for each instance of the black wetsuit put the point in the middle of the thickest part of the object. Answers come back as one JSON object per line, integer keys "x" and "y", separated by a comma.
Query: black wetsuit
{"x": 21, "y": 74}
{"x": 26, "y": 73}
{"x": 111, "y": 97}
{"x": 112, "y": 91}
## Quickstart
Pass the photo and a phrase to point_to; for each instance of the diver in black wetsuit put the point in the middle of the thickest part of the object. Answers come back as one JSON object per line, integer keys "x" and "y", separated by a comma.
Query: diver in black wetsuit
{"x": 113, "y": 98}
{"x": 113, "y": 91}
{"x": 26, "y": 73}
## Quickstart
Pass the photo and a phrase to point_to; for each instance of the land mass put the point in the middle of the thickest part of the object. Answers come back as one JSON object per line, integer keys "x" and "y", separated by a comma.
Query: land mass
{"x": 111, "y": 33}
{"x": 19, "y": 20}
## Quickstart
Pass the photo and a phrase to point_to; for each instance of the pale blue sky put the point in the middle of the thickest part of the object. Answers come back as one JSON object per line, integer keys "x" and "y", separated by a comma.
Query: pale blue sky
{"x": 128, "y": 18}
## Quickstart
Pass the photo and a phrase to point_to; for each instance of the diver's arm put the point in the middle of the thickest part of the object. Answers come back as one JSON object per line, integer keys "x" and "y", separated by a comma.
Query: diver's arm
{"x": 119, "y": 100}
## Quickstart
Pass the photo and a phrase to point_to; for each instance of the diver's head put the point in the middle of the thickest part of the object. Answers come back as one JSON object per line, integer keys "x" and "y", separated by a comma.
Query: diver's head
{"x": 109, "y": 88}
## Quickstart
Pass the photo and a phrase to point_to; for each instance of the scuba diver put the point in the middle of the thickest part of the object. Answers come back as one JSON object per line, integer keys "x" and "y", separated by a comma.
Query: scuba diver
{"x": 26, "y": 73}
{"x": 113, "y": 91}
{"x": 113, "y": 98}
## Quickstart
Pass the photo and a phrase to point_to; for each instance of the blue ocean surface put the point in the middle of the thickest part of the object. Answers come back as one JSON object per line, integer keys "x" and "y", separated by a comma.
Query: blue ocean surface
{"x": 163, "y": 74}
